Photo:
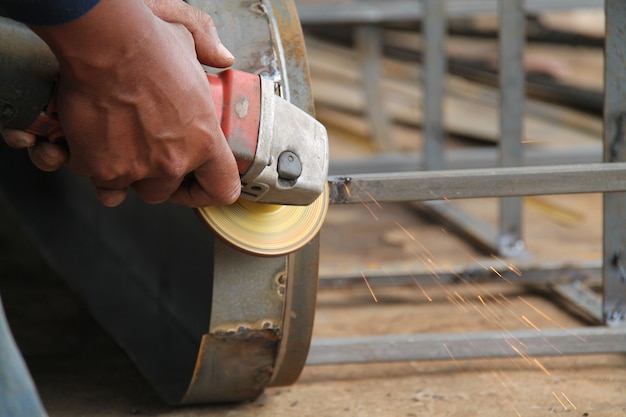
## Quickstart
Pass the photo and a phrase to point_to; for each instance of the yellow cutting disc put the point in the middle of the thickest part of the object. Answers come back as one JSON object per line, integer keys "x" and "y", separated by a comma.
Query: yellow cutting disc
{"x": 266, "y": 229}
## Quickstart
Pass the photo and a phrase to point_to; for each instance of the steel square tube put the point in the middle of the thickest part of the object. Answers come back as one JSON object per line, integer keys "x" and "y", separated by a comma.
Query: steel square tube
{"x": 525, "y": 344}
{"x": 465, "y": 159}
{"x": 614, "y": 307}
{"x": 512, "y": 78}
{"x": 434, "y": 82}
{"x": 312, "y": 13}
{"x": 478, "y": 183}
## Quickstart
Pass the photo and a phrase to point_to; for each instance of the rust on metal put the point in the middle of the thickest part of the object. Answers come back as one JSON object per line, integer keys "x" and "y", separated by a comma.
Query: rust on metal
{"x": 237, "y": 365}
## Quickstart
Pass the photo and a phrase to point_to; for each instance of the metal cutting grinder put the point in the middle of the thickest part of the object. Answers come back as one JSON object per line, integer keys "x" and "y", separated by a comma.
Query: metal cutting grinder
{"x": 281, "y": 153}
{"x": 206, "y": 320}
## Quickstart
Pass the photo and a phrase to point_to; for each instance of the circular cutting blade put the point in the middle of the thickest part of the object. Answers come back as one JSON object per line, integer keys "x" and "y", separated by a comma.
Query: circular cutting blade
{"x": 266, "y": 229}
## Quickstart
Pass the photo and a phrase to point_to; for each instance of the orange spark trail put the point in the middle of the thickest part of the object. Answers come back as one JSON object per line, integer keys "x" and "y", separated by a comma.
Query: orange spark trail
{"x": 452, "y": 357}
{"x": 421, "y": 288}
{"x": 515, "y": 270}
{"x": 367, "y": 207}
{"x": 456, "y": 303}
{"x": 373, "y": 199}
{"x": 503, "y": 384}
{"x": 540, "y": 365}
{"x": 510, "y": 267}
{"x": 473, "y": 258}
{"x": 568, "y": 400}
{"x": 545, "y": 316}
{"x": 369, "y": 287}
{"x": 519, "y": 352}
{"x": 559, "y": 400}
{"x": 495, "y": 271}
{"x": 530, "y": 323}
{"x": 405, "y": 231}
{"x": 460, "y": 297}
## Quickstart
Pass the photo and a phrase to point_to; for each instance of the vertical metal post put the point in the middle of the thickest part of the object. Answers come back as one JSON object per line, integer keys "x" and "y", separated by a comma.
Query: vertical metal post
{"x": 614, "y": 261}
{"x": 369, "y": 46}
{"x": 511, "y": 35}
{"x": 434, "y": 82}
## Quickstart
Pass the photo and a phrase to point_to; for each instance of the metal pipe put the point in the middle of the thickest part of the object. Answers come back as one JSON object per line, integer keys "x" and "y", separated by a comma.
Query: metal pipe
{"x": 479, "y": 183}
{"x": 434, "y": 82}
{"x": 312, "y": 13}
{"x": 614, "y": 308}
{"x": 511, "y": 82}
{"x": 467, "y": 345}
{"x": 464, "y": 159}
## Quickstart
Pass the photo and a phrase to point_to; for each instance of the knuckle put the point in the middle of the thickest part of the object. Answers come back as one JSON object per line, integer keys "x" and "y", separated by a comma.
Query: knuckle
{"x": 114, "y": 177}
{"x": 171, "y": 167}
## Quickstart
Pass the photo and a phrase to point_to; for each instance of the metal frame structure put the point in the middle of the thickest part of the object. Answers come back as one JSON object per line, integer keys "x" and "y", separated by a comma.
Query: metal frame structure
{"x": 510, "y": 179}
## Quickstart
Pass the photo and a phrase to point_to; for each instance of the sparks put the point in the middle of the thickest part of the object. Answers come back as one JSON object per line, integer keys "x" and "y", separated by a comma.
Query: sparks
{"x": 367, "y": 207}
{"x": 421, "y": 288}
{"x": 559, "y": 400}
{"x": 495, "y": 271}
{"x": 568, "y": 400}
{"x": 369, "y": 287}
{"x": 509, "y": 266}
{"x": 452, "y": 357}
{"x": 540, "y": 366}
{"x": 405, "y": 231}
{"x": 373, "y": 200}
{"x": 530, "y": 323}
{"x": 545, "y": 316}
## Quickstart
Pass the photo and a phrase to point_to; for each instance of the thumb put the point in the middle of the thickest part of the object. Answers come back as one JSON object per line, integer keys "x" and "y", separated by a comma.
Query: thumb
{"x": 209, "y": 48}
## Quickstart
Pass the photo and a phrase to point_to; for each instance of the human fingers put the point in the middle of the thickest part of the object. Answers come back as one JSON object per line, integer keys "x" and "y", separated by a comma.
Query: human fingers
{"x": 155, "y": 191}
{"x": 216, "y": 182}
{"x": 209, "y": 48}
{"x": 48, "y": 156}
{"x": 18, "y": 138}
{"x": 110, "y": 197}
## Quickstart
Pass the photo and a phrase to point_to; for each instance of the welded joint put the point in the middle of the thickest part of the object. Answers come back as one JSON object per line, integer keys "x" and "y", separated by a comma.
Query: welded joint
{"x": 615, "y": 312}
{"x": 511, "y": 244}
{"x": 615, "y": 318}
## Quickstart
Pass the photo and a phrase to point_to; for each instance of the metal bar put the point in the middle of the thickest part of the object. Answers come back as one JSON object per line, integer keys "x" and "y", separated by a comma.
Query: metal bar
{"x": 412, "y": 272}
{"x": 434, "y": 82}
{"x": 369, "y": 46}
{"x": 479, "y": 234}
{"x": 614, "y": 308}
{"x": 581, "y": 297}
{"x": 479, "y": 183}
{"x": 406, "y": 10}
{"x": 465, "y": 159}
{"x": 467, "y": 345}
{"x": 511, "y": 80}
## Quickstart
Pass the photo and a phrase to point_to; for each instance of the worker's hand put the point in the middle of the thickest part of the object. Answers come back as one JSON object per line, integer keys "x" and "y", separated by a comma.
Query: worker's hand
{"x": 49, "y": 157}
{"x": 135, "y": 104}
{"x": 45, "y": 155}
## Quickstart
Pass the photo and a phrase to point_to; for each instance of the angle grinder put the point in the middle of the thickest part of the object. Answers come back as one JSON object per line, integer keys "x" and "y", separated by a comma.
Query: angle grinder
{"x": 282, "y": 156}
